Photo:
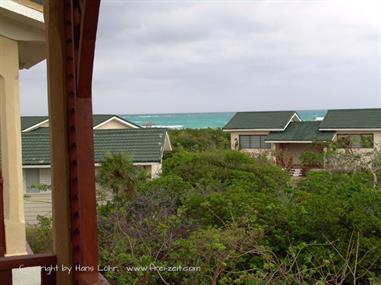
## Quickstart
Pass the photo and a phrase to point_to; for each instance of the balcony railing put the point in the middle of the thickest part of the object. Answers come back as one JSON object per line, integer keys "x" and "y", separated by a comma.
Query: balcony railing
{"x": 23, "y": 261}
{"x": 48, "y": 277}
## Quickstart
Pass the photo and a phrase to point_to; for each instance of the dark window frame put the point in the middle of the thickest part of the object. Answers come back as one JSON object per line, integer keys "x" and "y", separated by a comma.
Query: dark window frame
{"x": 350, "y": 144}
{"x": 262, "y": 144}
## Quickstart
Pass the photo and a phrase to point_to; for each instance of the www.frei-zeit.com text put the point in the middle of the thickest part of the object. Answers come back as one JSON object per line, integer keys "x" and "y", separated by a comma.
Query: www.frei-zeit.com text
{"x": 151, "y": 267}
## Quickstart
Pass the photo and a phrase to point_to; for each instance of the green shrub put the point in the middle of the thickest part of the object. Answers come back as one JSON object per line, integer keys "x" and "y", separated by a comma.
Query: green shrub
{"x": 199, "y": 139}
{"x": 40, "y": 236}
{"x": 311, "y": 159}
{"x": 240, "y": 221}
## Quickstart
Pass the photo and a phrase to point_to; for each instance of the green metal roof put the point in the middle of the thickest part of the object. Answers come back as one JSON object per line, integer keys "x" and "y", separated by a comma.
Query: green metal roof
{"x": 144, "y": 145}
{"x": 30, "y": 121}
{"x": 35, "y": 148}
{"x": 352, "y": 119}
{"x": 99, "y": 118}
{"x": 260, "y": 120}
{"x": 301, "y": 132}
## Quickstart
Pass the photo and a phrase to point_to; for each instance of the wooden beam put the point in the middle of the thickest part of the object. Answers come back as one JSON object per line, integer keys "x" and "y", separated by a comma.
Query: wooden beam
{"x": 57, "y": 105}
{"x": 13, "y": 262}
{"x": 72, "y": 26}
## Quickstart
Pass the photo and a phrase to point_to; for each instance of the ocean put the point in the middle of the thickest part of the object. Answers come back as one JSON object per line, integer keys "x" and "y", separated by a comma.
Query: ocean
{"x": 200, "y": 120}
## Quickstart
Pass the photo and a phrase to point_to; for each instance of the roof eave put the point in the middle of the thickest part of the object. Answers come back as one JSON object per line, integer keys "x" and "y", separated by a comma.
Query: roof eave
{"x": 120, "y": 120}
{"x": 294, "y": 115}
{"x": 35, "y": 126}
{"x": 252, "y": 130}
{"x": 285, "y": 141}
{"x": 349, "y": 129}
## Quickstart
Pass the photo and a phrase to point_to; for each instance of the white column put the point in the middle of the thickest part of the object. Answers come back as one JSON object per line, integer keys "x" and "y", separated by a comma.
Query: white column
{"x": 11, "y": 161}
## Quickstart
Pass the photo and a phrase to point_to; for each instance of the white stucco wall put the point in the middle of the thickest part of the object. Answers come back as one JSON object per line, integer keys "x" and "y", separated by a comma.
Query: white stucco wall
{"x": 41, "y": 203}
{"x": 155, "y": 170}
{"x": 377, "y": 139}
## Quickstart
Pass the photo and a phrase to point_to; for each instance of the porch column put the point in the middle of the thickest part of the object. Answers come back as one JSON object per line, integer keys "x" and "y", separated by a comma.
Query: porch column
{"x": 53, "y": 14}
{"x": 325, "y": 162}
{"x": 10, "y": 139}
{"x": 274, "y": 150}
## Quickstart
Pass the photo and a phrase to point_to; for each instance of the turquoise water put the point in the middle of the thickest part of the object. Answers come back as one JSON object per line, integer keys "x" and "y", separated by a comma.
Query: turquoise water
{"x": 200, "y": 120}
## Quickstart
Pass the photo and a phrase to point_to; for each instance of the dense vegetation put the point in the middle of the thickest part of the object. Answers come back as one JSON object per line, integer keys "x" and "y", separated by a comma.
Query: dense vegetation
{"x": 40, "y": 236}
{"x": 238, "y": 220}
{"x": 199, "y": 139}
{"x": 217, "y": 216}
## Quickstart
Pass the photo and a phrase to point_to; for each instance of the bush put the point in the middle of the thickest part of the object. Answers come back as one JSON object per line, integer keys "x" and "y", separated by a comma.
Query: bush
{"x": 223, "y": 168}
{"x": 40, "y": 236}
{"x": 240, "y": 221}
{"x": 199, "y": 139}
{"x": 310, "y": 159}
{"x": 237, "y": 220}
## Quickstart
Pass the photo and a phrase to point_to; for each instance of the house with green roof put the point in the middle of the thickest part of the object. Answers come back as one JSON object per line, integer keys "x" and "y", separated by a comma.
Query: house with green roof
{"x": 146, "y": 147}
{"x": 274, "y": 132}
{"x": 249, "y": 130}
{"x": 100, "y": 122}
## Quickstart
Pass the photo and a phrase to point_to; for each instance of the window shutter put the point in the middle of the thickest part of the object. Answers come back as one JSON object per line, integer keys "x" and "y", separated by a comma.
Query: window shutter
{"x": 255, "y": 141}
{"x": 244, "y": 141}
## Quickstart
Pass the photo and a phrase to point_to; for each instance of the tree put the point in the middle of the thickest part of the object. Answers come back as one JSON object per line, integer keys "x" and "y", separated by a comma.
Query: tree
{"x": 118, "y": 174}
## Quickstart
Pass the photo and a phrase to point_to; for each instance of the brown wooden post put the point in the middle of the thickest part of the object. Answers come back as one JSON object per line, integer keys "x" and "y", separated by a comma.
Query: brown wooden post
{"x": 72, "y": 26}
{"x": 6, "y": 277}
{"x": 57, "y": 106}
{"x": 81, "y": 18}
{"x": 48, "y": 278}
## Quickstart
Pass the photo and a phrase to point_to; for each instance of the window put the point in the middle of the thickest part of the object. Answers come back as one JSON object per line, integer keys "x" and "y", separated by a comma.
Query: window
{"x": 355, "y": 141}
{"x": 32, "y": 178}
{"x": 253, "y": 142}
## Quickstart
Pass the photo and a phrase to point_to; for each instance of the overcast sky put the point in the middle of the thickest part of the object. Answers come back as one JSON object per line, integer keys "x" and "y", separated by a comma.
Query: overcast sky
{"x": 206, "y": 56}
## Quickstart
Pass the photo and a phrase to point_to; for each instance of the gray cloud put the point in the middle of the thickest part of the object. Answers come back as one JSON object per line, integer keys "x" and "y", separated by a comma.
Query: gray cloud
{"x": 188, "y": 56}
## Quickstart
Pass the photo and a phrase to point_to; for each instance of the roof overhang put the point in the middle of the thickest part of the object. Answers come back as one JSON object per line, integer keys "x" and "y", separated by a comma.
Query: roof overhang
{"x": 27, "y": 9}
{"x": 252, "y": 130}
{"x": 133, "y": 126}
{"x": 167, "y": 143}
{"x": 141, "y": 163}
{"x": 47, "y": 166}
{"x": 352, "y": 130}
{"x": 36, "y": 166}
{"x": 25, "y": 25}
{"x": 300, "y": 142}
{"x": 36, "y": 126}
{"x": 295, "y": 115}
